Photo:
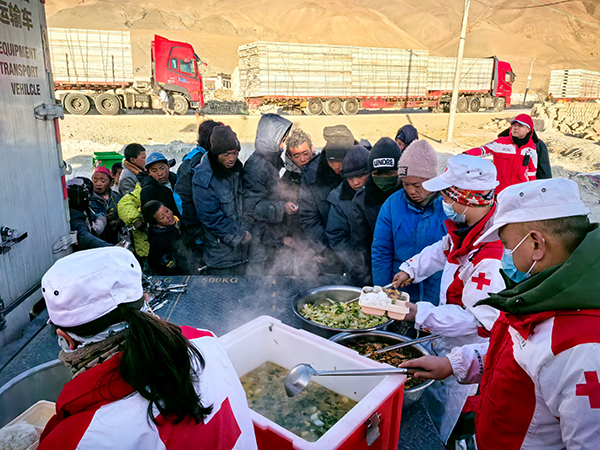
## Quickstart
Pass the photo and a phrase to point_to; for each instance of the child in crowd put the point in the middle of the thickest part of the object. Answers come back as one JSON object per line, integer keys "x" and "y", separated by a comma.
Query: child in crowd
{"x": 167, "y": 251}
{"x": 116, "y": 170}
{"x": 104, "y": 201}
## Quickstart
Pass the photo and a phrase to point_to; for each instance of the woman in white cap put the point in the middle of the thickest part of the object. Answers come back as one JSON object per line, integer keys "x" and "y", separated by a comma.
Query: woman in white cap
{"x": 470, "y": 272}
{"x": 138, "y": 382}
{"x": 539, "y": 375}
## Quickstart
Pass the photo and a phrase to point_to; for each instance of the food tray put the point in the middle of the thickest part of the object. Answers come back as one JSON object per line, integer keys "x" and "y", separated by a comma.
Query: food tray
{"x": 37, "y": 415}
{"x": 393, "y": 311}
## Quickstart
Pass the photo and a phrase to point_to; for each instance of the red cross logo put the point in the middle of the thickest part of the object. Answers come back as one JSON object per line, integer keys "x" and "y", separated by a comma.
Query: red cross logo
{"x": 481, "y": 281}
{"x": 590, "y": 389}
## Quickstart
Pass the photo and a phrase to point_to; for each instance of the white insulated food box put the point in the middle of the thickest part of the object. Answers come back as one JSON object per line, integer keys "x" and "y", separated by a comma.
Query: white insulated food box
{"x": 267, "y": 339}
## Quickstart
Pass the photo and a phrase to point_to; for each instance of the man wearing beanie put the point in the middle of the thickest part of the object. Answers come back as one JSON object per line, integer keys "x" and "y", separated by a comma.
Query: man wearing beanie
{"x": 217, "y": 189}
{"x": 471, "y": 272}
{"x": 322, "y": 174}
{"x": 515, "y": 156}
{"x": 355, "y": 173}
{"x": 384, "y": 181}
{"x": 264, "y": 205}
{"x": 410, "y": 220}
{"x": 406, "y": 136}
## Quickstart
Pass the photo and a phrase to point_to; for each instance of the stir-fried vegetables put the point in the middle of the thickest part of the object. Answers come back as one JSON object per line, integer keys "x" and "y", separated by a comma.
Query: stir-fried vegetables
{"x": 341, "y": 315}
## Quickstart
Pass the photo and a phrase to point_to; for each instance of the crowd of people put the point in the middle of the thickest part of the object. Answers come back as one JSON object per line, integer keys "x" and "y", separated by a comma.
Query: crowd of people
{"x": 499, "y": 261}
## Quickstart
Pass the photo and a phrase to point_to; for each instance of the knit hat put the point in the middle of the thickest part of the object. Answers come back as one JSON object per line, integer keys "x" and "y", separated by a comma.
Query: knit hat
{"x": 356, "y": 162}
{"x": 338, "y": 140}
{"x": 223, "y": 139}
{"x": 419, "y": 159}
{"x": 105, "y": 171}
{"x": 384, "y": 155}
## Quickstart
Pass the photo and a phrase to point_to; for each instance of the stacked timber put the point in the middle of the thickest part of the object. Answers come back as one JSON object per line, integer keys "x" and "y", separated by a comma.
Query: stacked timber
{"x": 90, "y": 56}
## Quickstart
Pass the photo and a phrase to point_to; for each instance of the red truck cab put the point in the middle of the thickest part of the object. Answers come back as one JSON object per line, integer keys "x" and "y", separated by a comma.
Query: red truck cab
{"x": 504, "y": 77}
{"x": 175, "y": 67}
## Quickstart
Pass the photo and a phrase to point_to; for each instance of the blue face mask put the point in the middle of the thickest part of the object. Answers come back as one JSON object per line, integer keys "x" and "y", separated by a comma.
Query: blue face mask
{"x": 509, "y": 268}
{"x": 453, "y": 215}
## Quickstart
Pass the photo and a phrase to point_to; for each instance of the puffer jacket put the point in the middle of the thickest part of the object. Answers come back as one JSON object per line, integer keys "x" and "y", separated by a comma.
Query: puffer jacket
{"x": 218, "y": 198}
{"x": 338, "y": 225}
{"x": 544, "y": 170}
{"x": 81, "y": 223}
{"x": 108, "y": 207}
{"x": 129, "y": 211}
{"x": 264, "y": 205}
{"x": 318, "y": 180}
{"x": 404, "y": 229}
{"x": 365, "y": 209}
{"x": 514, "y": 164}
{"x": 153, "y": 190}
{"x": 183, "y": 188}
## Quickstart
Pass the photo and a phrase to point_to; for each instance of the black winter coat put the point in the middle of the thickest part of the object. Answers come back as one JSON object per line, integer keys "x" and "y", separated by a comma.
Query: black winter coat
{"x": 544, "y": 170}
{"x": 264, "y": 205}
{"x": 183, "y": 188}
{"x": 167, "y": 254}
{"x": 365, "y": 208}
{"x": 338, "y": 224}
{"x": 152, "y": 190}
{"x": 218, "y": 198}
{"x": 318, "y": 180}
{"x": 85, "y": 239}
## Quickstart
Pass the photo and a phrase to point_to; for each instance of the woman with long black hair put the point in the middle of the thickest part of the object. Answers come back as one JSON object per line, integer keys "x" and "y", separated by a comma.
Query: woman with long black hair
{"x": 138, "y": 382}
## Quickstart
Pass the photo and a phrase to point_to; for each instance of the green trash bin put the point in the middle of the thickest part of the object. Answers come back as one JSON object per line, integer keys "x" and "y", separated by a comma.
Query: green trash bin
{"x": 106, "y": 159}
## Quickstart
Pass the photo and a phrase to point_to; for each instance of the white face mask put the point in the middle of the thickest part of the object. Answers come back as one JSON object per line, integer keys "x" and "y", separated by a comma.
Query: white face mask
{"x": 85, "y": 340}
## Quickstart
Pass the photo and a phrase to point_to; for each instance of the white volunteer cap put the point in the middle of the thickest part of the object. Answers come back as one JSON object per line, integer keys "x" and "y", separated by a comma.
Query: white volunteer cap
{"x": 535, "y": 200}
{"x": 86, "y": 285}
{"x": 465, "y": 172}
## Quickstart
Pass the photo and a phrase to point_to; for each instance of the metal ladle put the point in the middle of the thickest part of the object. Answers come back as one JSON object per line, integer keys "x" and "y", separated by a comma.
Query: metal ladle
{"x": 431, "y": 337}
{"x": 299, "y": 376}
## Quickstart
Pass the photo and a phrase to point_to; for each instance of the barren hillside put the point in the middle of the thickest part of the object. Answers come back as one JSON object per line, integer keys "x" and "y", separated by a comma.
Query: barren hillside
{"x": 560, "y": 36}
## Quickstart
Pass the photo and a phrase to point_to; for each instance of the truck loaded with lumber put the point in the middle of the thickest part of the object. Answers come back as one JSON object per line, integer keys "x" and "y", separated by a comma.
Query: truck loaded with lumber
{"x": 574, "y": 85}
{"x": 333, "y": 79}
{"x": 94, "y": 68}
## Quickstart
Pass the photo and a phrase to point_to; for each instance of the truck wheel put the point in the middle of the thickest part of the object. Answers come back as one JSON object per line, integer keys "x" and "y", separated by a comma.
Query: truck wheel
{"x": 314, "y": 107}
{"x": 462, "y": 104}
{"x": 333, "y": 107}
{"x": 107, "y": 104}
{"x": 350, "y": 107}
{"x": 77, "y": 104}
{"x": 474, "y": 104}
{"x": 499, "y": 104}
{"x": 180, "y": 104}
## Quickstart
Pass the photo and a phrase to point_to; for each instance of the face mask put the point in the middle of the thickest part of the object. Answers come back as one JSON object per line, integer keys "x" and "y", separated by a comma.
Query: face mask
{"x": 453, "y": 215}
{"x": 386, "y": 183}
{"x": 508, "y": 265}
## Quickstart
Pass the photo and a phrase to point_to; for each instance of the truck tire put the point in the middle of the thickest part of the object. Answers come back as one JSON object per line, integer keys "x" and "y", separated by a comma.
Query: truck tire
{"x": 333, "y": 107}
{"x": 350, "y": 107}
{"x": 77, "y": 104}
{"x": 499, "y": 104}
{"x": 180, "y": 104}
{"x": 314, "y": 107}
{"x": 462, "y": 105}
{"x": 107, "y": 104}
{"x": 474, "y": 104}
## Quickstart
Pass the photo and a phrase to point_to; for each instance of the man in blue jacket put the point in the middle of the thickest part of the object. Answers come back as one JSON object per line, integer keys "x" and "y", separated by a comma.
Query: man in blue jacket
{"x": 218, "y": 190}
{"x": 410, "y": 220}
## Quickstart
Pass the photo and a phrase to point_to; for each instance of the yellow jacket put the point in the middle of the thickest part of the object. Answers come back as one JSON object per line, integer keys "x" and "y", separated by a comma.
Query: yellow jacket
{"x": 129, "y": 209}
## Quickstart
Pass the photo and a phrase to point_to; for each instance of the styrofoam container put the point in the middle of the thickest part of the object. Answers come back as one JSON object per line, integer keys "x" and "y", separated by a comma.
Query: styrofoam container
{"x": 37, "y": 415}
{"x": 267, "y": 339}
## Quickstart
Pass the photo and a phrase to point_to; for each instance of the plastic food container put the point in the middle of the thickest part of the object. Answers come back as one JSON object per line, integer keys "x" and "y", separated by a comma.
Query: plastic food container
{"x": 37, "y": 415}
{"x": 393, "y": 311}
{"x": 374, "y": 419}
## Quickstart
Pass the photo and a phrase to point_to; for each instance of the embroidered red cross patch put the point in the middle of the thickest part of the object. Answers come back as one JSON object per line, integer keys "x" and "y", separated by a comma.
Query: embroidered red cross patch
{"x": 590, "y": 389}
{"x": 481, "y": 281}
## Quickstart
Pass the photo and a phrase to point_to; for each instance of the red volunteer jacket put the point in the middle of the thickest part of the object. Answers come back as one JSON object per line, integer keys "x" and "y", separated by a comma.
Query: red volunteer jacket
{"x": 510, "y": 160}
{"x": 540, "y": 388}
{"x": 98, "y": 410}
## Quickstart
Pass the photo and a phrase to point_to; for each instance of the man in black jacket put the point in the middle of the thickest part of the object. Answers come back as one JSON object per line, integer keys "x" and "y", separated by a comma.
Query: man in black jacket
{"x": 80, "y": 212}
{"x": 384, "y": 181}
{"x": 322, "y": 174}
{"x": 264, "y": 206}
{"x": 160, "y": 182}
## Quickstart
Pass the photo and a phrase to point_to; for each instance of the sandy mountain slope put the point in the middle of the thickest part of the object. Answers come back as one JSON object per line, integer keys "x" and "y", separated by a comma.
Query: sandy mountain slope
{"x": 217, "y": 27}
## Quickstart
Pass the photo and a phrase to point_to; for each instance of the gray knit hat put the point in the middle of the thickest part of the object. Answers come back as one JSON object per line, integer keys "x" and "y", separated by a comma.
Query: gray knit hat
{"x": 356, "y": 162}
{"x": 419, "y": 159}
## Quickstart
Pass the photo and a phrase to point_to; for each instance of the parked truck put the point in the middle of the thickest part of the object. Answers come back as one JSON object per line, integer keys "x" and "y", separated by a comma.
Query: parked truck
{"x": 94, "y": 68}
{"x": 575, "y": 85}
{"x": 333, "y": 79}
{"x": 34, "y": 215}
